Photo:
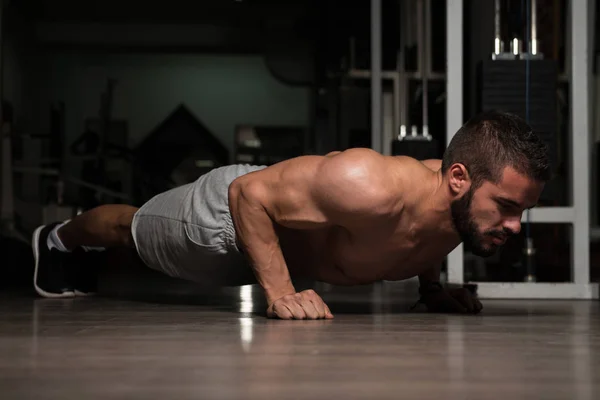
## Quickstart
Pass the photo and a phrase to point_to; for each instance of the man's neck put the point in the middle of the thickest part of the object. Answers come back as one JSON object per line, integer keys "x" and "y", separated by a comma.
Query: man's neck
{"x": 433, "y": 211}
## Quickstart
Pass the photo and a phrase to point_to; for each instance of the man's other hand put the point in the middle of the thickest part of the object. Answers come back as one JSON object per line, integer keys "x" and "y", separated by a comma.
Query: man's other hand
{"x": 458, "y": 300}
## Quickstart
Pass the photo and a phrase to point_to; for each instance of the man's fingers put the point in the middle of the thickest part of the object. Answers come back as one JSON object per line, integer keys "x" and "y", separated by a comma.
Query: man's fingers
{"x": 317, "y": 303}
{"x": 296, "y": 309}
{"x": 302, "y": 302}
{"x": 467, "y": 300}
{"x": 287, "y": 309}
{"x": 453, "y": 301}
{"x": 473, "y": 304}
{"x": 450, "y": 304}
{"x": 458, "y": 306}
{"x": 319, "y": 307}
{"x": 478, "y": 306}
{"x": 280, "y": 310}
{"x": 305, "y": 305}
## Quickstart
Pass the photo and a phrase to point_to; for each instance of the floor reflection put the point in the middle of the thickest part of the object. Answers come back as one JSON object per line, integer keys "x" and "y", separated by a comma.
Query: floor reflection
{"x": 246, "y": 300}
{"x": 224, "y": 347}
{"x": 246, "y": 309}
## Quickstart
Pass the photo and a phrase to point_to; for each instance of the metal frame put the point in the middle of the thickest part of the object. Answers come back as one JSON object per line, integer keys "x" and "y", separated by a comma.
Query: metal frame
{"x": 454, "y": 105}
{"x": 578, "y": 214}
{"x": 376, "y": 108}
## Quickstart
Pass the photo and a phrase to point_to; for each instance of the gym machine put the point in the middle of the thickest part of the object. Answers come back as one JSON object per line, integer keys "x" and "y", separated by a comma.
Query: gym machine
{"x": 395, "y": 117}
{"x": 576, "y": 214}
{"x": 420, "y": 146}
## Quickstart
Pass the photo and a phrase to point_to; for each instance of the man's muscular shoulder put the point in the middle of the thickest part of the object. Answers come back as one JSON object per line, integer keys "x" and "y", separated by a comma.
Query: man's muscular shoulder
{"x": 360, "y": 165}
{"x": 361, "y": 180}
{"x": 358, "y": 171}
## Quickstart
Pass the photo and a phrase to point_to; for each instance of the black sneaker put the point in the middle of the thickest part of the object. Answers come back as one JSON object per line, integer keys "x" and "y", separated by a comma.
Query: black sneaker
{"x": 50, "y": 278}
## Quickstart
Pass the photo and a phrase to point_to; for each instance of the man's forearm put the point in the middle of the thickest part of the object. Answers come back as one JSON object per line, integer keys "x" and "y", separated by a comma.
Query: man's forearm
{"x": 260, "y": 244}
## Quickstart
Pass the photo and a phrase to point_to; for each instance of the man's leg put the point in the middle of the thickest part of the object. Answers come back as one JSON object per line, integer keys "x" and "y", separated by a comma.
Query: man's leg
{"x": 104, "y": 226}
{"x": 54, "y": 245}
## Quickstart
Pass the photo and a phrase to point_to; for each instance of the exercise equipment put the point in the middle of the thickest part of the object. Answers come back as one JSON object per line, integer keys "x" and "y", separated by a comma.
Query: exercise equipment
{"x": 524, "y": 83}
{"x": 421, "y": 145}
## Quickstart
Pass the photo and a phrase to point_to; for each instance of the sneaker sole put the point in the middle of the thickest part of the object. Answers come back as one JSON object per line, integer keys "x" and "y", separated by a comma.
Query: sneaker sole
{"x": 36, "y": 255}
{"x": 84, "y": 294}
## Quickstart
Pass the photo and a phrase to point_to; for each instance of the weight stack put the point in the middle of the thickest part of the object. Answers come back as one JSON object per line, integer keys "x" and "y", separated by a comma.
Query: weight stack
{"x": 503, "y": 86}
{"x": 417, "y": 147}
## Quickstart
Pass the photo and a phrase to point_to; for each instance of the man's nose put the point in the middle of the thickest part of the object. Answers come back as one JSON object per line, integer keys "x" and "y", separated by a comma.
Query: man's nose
{"x": 513, "y": 225}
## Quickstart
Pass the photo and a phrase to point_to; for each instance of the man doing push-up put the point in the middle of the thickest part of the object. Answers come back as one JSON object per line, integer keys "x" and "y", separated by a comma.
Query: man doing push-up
{"x": 348, "y": 218}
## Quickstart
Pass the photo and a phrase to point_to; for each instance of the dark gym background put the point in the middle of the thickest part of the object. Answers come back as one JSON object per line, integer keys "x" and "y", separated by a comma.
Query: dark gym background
{"x": 106, "y": 101}
{"x": 115, "y": 101}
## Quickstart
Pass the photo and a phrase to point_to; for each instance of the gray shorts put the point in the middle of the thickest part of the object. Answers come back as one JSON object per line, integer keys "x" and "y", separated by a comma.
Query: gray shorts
{"x": 187, "y": 232}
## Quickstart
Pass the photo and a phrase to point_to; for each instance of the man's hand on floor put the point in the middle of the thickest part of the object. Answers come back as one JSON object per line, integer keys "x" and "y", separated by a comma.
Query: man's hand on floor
{"x": 303, "y": 305}
{"x": 458, "y": 300}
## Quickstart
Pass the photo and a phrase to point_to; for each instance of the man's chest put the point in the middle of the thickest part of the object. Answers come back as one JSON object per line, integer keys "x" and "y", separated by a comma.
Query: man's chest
{"x": 392, "y": 254}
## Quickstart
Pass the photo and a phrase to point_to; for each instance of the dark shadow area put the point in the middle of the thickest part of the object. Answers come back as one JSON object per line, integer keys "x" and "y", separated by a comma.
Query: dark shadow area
{"x": 125, "y": 278}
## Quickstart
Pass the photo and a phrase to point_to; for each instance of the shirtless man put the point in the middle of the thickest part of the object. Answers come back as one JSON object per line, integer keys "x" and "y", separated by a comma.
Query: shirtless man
{"x": 347, "y": 218}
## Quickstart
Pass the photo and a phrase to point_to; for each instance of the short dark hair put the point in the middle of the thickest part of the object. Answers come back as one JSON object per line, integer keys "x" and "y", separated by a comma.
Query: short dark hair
{"x": 494, "y": 140}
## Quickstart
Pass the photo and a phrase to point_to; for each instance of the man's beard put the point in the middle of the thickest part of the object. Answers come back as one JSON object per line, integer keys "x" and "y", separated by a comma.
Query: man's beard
{"x": 468, "y": 229}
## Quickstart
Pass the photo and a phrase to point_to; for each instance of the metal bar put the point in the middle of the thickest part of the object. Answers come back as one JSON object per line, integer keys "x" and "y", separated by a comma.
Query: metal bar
{"x": 538, "y": 290}
{"x": 532, "y": 46}
{"x": 366, "y": 74}
{"x": 497, "y": 32}
{"x": 376, "y": 114}
{"x": 454, "y": 105}
{"x": 594, "y": 102}
{"x": 568, "y": 40}
{"x": 420, "y": 49}
{"x": 388, "y": 122}
{"x": 425, "y": 39}
{"x": 400, "y": 83}
{"x": 560, "y": 215}
{"x": 397, "y": 106}
{"x": 580, "y": 140}
{"x": 428, "y": 39}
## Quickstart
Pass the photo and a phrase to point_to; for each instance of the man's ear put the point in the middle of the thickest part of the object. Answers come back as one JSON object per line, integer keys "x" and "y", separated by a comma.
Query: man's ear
{"x": 459, "y": 180}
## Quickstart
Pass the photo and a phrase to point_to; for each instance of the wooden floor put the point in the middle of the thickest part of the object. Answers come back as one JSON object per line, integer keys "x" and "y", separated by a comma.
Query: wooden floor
{"x": 222, "y": 347}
